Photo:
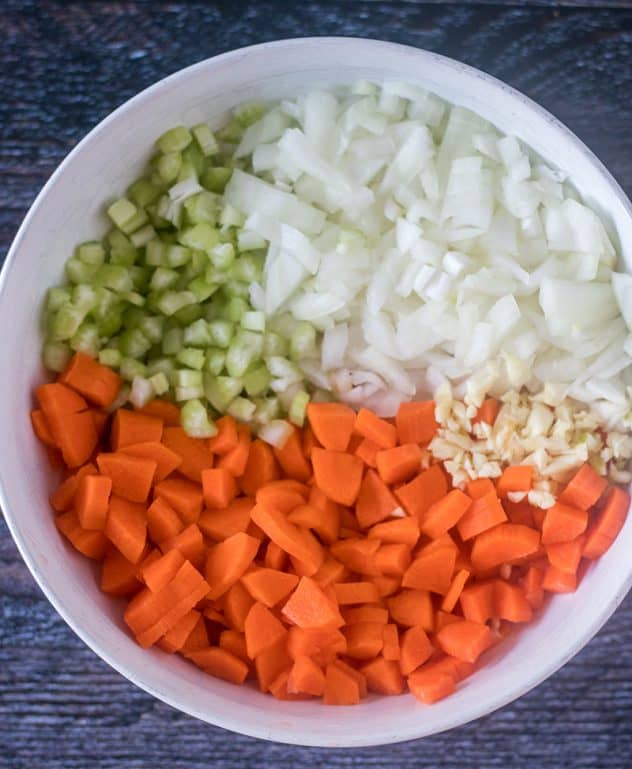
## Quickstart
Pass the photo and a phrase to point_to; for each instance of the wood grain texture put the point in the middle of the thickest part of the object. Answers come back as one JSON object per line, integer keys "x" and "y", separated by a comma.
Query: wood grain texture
{"x": 63, "y": 67}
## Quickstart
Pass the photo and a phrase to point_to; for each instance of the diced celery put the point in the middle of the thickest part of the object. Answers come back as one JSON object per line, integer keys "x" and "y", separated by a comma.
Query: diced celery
{"x": 172, "y": 301}
{"x": 191, "y": 357}
{"x": 201, "y": 207}
{"x": 153, "y": 327}
{"x": 206, "y": 139}
{"x": 187, "y": 170}
{"x": 66, "y": 322}
{"x": 188, "y": 393}
{"x": 201, "y": 236}
{"x": 193, "y": 156}
{"x": 160, "y": 365}
{"x": 231, "y": 132}
{"x": 168, "y": 166}
{"x": 142, "y": 392}
{"x": 222, "y": 255}
{"x": 234, "y": 309}
{"x": 110, "y": 322}
{"x": 254, "y": 321}
{"x": 130, "y": 368}
{"x": 275, "y": 344}
{"x": 172, "y": 341}
{"x": 175, "y": 139}
{"x": 91, "y": 252}
{"x": 136, "y": 222}
{"x": 236, "y": 289}
{"x": 143, "y": 192}
{"x": 221, "y": 332}
{"x": 231, "y": 217}
{"x": 160, "y": 383}
{"x": 115, "y": 277}
{"x": 195, "y": 420}
{"x": 221, "y": 390}
{"x": 156, "y": 253}
{"x": 122, "y": 250}
{"x": 198, "y": 334}
{"x": 298, "y": 408}
{"x": 122, "y": 211}
{"x": 241, "y": 409}
{"x": 133, "y": 317}
{"x": 186, "y": 378}
{"x": 56, "y": 298}
{"x": 177, "y": 256}
{"x": 189, "y": 314}
{"x": 215, "y": 179}
{"x": 249, "y": 113}
{"x": 133, "y": 298}
{"x": 162, "y": 279}
{"x": 134, "y": 344}
{"x": 140, "y": 277}
{"x": 55, "y": 356}
{"x": 86, "y": 339}
{"x": 109, "y": 357}
{"x": 142, "y": 236}
{"x": 247, "y": 268}
{"x": 267, "y": 410}
{"x": 256, "y": 381}
{"x": 215, "y": 359}
{"x": 80, "y": 272}
{"x": 202, "y": 289}
{"x": 84, "y": 298}
{"x": 250, "y": 241}
{"x": 246, "y": 347}
{"x": 281, "y": 368}
{"x": 303, "y": 340}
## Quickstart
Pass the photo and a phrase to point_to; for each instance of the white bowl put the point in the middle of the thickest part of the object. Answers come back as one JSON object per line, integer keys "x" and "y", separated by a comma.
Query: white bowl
{"x": 70, "y": 209}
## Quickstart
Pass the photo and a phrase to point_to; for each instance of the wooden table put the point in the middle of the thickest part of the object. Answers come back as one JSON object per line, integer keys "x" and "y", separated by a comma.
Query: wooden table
{"x": 63, "y": 67}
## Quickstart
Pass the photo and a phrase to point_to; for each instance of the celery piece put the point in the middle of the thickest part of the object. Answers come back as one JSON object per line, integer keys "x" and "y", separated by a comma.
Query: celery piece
{"x": 158, "y": 222}
{"x": 236, "y": 289}
{"x": 140, "y": 277}
{"x": 275, "y": 344}
{"x": 91, "y": 252}
{"x": 247, "y": 268}
{"x": 298, "y": 408}
{"x": 160, "y": 383}
{"x": 201, "y": 236}
{"x": 256, "y": 381}
{"x": 175, "y": 139}
{"x": 191, "y": 357}
{"x": 55, "y": 356}
{"x": 80, "y": 272}
{"x": 231, "y": 217}
{"x": 198, "y": 334}
{"x": 122, "y": 211}
{"x": 202, "y": 289}
{"x": 143, "y": 192}
{"x": 188, "y": 393}
{"x": 142, "y": 236}
{"x": 130, "y": 368}
{"x": 109, "y": 357}
{"x": 134, "y": 344}
{"x": 222, "y": 255}
{"x": 250, "y": 241}
{"x": 231, "y": 132}
{"x": 221, "y": 332}
{"x": 186, "y": 378}
{"x": 172, "y": 341}
{"x": 153, "y": 327}
{"x": 303, "y": 340}
{"x": 172, "y": 301}
{"x": 86, "y": 339}
{"x": 162, "y": 279}
{"x": 177, "y": 256}
{"x": 85, "y": 298}
{"x": 132, "y": 317}
{"x": 195, "y": 420}
{"x": 254, "y": 321}
{"x": 56, "y": 298}
{"x": 136, "y": 222}
{"x": 234, "y": 309}
{"x": 160, "y": 365}
{"x": 267, "y": 410}
{"x": 245, "y": 348}
{"x": 281, "y": 368}
{"x": 66, "y": 322}
{"x": 142, "y": 392}
{"x": 156, "y": 253}
{"x": 206, "y": 139}
{"x": 201, "y": 207}
{"x": 168, "y": 166}
{"x": 241, "y": 409}
{"x": 221, "y": 390}
{"x": 187, "y": 170}
{"x": 249, "y": 113}
{"x": 193, "y": 156}
{"x": 110, "y": 322}
{"x": 138, "y": 300}
{"x": 215, "y": 359}
{"x": 188, "y": 314}
{"x": 215, "y": 179}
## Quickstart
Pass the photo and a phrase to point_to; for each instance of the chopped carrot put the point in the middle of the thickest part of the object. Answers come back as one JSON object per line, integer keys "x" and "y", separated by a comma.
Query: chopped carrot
{"x": 377, "y": 430}
{"x": 454, "y": 592}
{"x": 227, "y": 562}
{"x": 416, "y": 422}
{"x": 515, "y": 478}
{"x": 432, "y": 570}
{"x": 521, "y": 512}
{"x": 331, "y": 571}
{"x": 504, "y": 543}
{"x": 430, "y": 686}
{"x": 399, "y": 464}
{"x": 261, "y": 468}
{"x": 292, "y": 458}
{"x": 197, "y": 639}
{"x": 608, "y": 522}
{"x": 282, "y": 495}
{"x": 510, "y": 602}
{"x": 41, "y": 428}
{"x": 237, "y": 602}
{"x": 417, "y": 496}
{"x": 157, "y": 574}
{"x": 275, "y": 557}
{"x": 94, "y": 381}
{"x": 165, "y": 410}
{"x": 532, "y": 586}
{"x": 321, "y": 644}
{"x": 271, "y": 663}
{"x": 341, "y": 687}
{"x": 355, "y": 592}
{"x": 162, "y": 521}
{"x": 175, "y": 639}
{"x": 262, "y": 630}
{"x": 269, "y": 586}
{"x": 367, "y": 451}
{"x": 236, "y": 459}
{"x": 219, "y": 487}
{"x": 487, "y": 412}
{"x": 92, "y": 501}
{"x": 563, "y": 523}
{"x": 70, "y": 424}
{"x": 166, "y": 460}
{"x": 126, "y": 527}
{"x": 443, "y": 618}
{"x": 465, "y": 640}
{"x": 306, "y": 677}
{"x": 329, "y": 526}
{"x": 118, "y": 575}
{"x": 132, "y": 477}
{"x": 190, "y": 543}
{"x": 326, "y": 523}
{"x": 364, "y": 640}
{"x": 185, "y": 497}
{"x": 479, "y": 487}
{"x": 309, "y": 607}
{"x": 390, "y": 643}
{"x": 130, "y": 427}
{"x": 445, "y": 514}
{"x": 366, "y": 613}
{"x": 332, "y": 424}
{"x": 296, "y": 542}
{"x": 565, "y": 556}
{"x": 194, "y": 454}
{"x": 220, "y": 663}
{"x": 412, "y": 607}
{"x": 357, "y": 554}
{"x": 484, "y": 513}
{"x": 393, "y": 559}
{"x": 386, "y": 586}
{"x": 309, "y": 441}
{"x": 403, "y": 531}
{"x": 478, "y": 602}
{"x": 584, "y": 489}
{"x": 375, "y": 500}
{"x": 415, "y": 649}
{"x": 235, "y": 643}
{"x": 226, "y": 439}
{"x": 221, "y": 524}
{"x": 338, "y": 475}
{"x": 556, "y": 581}
{"x": 92, "y": 544}
{"x": 356, "y": 675}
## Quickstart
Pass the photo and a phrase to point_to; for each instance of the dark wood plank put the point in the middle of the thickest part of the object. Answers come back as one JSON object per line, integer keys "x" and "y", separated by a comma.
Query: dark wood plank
{"x": 63, "y": 67}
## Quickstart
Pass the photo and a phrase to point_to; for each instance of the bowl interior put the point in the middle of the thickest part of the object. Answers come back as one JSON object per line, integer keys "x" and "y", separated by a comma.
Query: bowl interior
{"x": 70, "y": 209}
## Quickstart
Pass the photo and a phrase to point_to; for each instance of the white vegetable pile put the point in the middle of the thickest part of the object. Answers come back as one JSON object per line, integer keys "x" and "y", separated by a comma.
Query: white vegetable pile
{"x": 427, "y": 248}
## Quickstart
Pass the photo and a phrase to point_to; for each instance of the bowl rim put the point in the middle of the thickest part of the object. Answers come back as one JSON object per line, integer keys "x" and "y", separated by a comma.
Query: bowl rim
{"x": 251, "y": 729}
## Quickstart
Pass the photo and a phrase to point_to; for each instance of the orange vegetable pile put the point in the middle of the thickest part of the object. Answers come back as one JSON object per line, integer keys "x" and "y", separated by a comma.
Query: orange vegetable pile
{"x": 342, "y": 563}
